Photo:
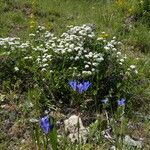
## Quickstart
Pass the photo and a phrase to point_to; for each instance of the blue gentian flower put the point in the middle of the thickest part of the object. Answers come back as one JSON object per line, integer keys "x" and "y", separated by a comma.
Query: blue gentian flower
{"x": 73, "y": 84}
{"x": 86, "y": 85}
{"x": 121, "y": 102}
{"x": 79, "y": 87}
{"x": 45, "y": 124}
{"x": 104, "y": 101}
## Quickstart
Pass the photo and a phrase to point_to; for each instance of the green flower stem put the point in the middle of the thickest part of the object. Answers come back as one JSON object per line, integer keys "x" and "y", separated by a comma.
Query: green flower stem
{"x": 37, "y": 136}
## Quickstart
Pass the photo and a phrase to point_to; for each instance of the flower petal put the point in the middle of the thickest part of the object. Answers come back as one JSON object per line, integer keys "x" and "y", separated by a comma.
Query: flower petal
{"x": 44, "y": 124}
{"x": 80, "y": 88}
{"x": 86, "y": 85}
{"x": 121, "y": 102}
{"x": 73, "y": 84}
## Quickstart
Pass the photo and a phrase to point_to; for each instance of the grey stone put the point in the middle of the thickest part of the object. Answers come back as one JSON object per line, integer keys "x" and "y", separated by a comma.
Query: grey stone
{"x": 112, "y": 147}
{"x": 129, "y": 141}
{"x": 77, "y": 132}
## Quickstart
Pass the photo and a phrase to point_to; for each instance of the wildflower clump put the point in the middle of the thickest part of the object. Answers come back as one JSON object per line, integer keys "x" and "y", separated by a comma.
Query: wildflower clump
{"x": 50, "y": 62}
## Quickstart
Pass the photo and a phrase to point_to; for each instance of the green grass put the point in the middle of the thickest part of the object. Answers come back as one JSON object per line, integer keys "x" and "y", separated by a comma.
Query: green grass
{"x": 118, "y": 19}
{"x": 56, "y": 15}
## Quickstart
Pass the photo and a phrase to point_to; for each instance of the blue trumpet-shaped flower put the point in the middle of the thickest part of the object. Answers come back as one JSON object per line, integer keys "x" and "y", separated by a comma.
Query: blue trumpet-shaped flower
{"x": 121, "y": 102}
{"x": 79, "y": 87}
{"x": 73, "y": 84}
{"x": 45, "y": 124}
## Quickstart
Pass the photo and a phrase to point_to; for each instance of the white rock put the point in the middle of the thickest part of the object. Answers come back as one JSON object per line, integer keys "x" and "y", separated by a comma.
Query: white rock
{"x": 33, "y": 120}
{"x": 76, "y": 129}
{"x": 129, "y": 141}
{"x": 113, "y": 148}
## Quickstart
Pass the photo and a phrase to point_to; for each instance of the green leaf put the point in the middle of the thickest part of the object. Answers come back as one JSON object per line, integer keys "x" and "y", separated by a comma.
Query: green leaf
{"x": 53, "y": 138}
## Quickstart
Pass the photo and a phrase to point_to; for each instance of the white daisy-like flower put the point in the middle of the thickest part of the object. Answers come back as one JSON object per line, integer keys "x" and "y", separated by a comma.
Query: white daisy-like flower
{"x": 125, "y": 57}
{"x": 48, "y": 56}
{"x": 106, "y": 48}
{"x": 93, "y": 69}
{"x": 132, "y": 66}
{"x": 44, "y": 60}
{"x": 95, "y": 64}
{"x": 90, "y": 54}
{"x": 118, "y": 53}
{"x": 100, "y": 59}
{"x": 53, "y": 44}
{"x": 31, "y": 34}
{"x": 62, "y": 51}
{"x": 100, "y": 39}
{"x": 87, "y": 72}
{"x": 45, "y": 65}
{"x": 43, "y": 69}
{"x": 71, "y": 58}
{"x": 87, "y": 66}
{"x": 136, "y": 72}
{"x": 121, "y": 60}
{"x": 71, "y": 46}
{"x": 89, "y": 63}
{"x": 16, "y": 69}
{"x": 114, "y": 49}
{"x": 76, "y": 58}
{"x": 69, "y": 50}
{"x": 26, "y": 57}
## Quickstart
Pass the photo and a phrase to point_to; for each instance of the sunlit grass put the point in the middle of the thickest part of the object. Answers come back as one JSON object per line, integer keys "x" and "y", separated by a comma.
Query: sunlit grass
{"x": 121, "y": 18}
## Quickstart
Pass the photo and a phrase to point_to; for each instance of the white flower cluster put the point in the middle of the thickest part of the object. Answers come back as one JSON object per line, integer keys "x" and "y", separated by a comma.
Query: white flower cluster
{"x": 73, "y": 43}
{"x": 9, "y": 43}
{"x": 111, "y": 47}
{"x": 72, "y": 46}
{"x": 132, "y": 68}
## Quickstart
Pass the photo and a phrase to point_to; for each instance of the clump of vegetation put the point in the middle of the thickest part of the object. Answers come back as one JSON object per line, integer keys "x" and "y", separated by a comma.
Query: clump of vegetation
{"x": 44, "y": 61}
{"x": 48, "y": 63}
{"x": 70, "y": 67}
